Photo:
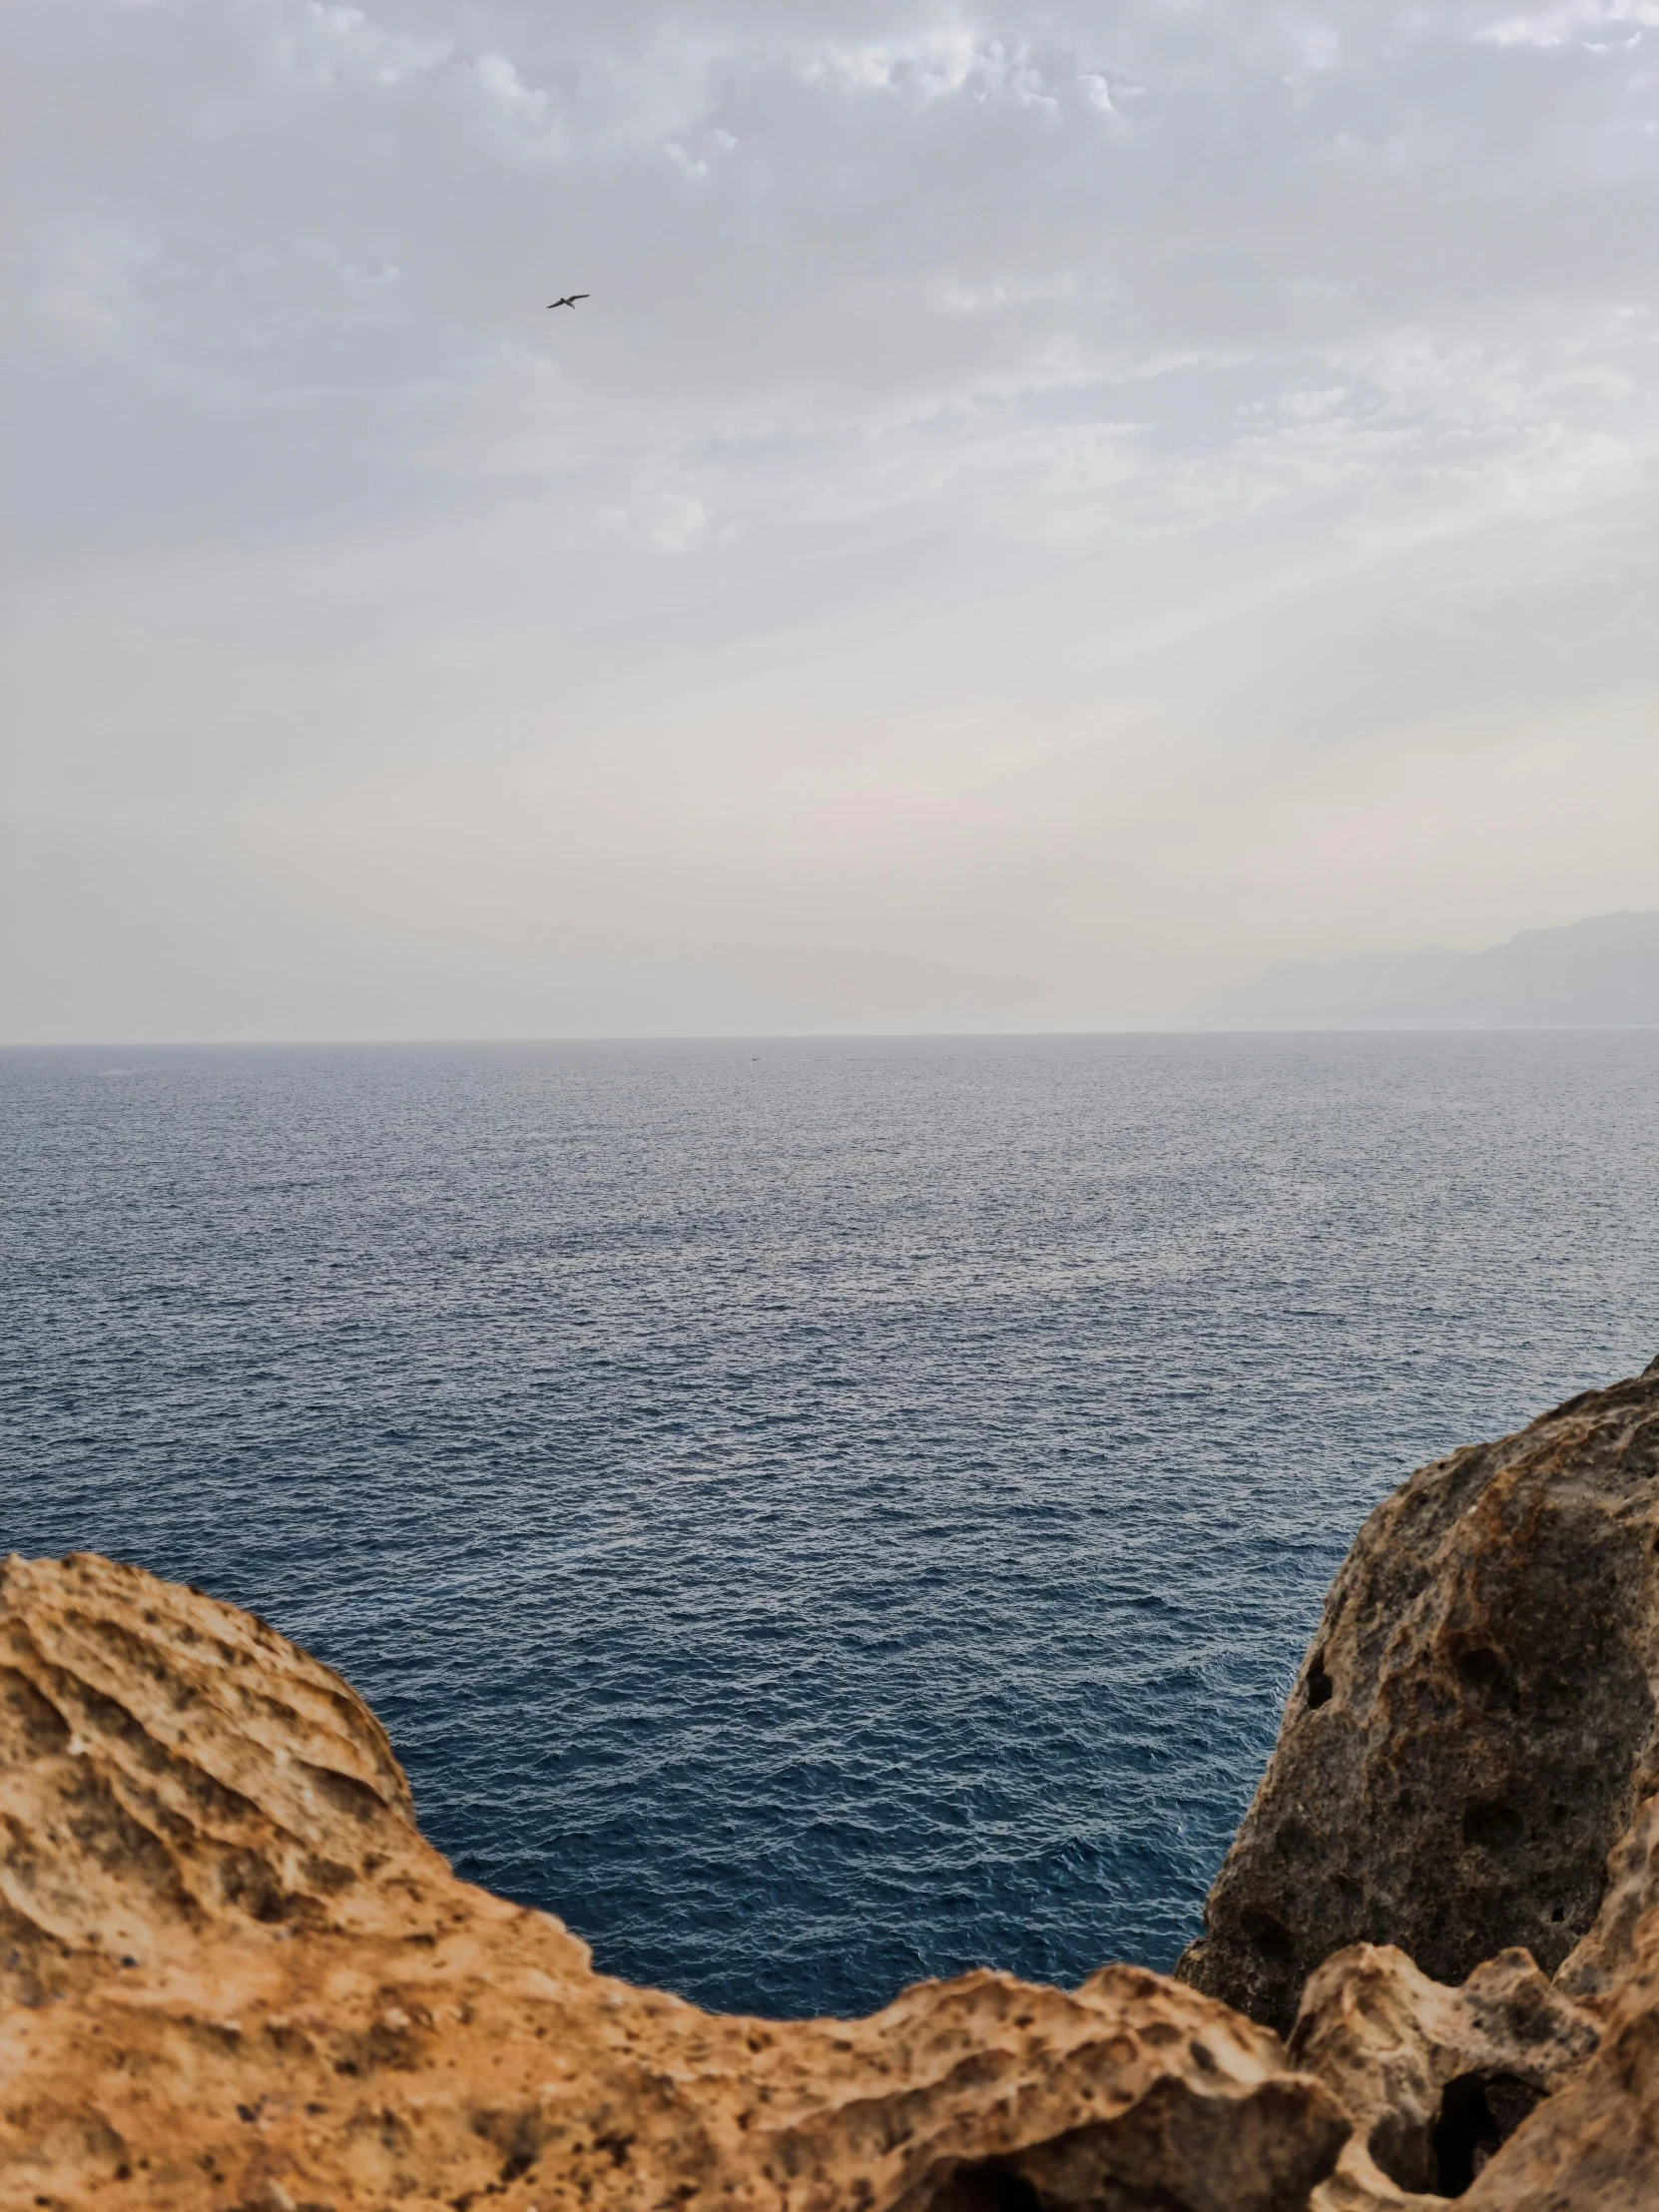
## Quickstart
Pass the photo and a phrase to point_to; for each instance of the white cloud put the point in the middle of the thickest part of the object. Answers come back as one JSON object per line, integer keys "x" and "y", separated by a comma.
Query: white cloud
{"x": 329, "y": 42}
{"x": 502, "y": 83}
{"x": 331, "y": 46}
{"x": 932, "y": 65}
{"x": 1571, "y": 23}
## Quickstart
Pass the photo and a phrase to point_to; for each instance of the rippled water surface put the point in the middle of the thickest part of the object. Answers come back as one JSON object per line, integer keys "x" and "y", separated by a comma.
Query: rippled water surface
{"x": 813, "y": 1515}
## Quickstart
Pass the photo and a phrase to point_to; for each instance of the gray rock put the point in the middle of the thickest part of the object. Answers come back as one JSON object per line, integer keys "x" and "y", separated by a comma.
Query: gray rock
{"x": 1474, "y": 1725}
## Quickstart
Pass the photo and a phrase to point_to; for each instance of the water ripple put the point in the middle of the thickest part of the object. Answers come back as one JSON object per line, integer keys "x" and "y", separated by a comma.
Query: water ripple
{"x": 810, "y": 1515}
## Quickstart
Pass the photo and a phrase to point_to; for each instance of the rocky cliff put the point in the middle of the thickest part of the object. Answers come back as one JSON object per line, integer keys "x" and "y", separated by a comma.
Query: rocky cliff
{"x": 234, "y": 1976}
{"x": 1476, "y": 1722}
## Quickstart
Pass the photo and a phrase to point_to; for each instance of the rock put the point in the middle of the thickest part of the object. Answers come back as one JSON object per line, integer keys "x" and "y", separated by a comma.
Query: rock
{"x": 1595, "y": 1969}
{"x": 1435, "y": 2079}
{"x": 1474, "y": 1725}
{"x": 1595, "y": 2142}
{"x": 234, "y": 1976}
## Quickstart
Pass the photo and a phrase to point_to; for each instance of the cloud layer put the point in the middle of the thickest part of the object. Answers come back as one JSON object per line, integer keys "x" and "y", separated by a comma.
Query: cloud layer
{"x": 1040, "y": 516}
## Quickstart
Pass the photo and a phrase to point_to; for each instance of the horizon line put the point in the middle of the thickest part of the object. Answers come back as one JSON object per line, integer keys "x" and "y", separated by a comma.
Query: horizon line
{"x": 821, "y": 1036}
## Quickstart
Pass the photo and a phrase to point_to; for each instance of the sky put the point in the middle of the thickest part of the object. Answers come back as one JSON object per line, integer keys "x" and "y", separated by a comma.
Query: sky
{"x": 1048, "y": 510}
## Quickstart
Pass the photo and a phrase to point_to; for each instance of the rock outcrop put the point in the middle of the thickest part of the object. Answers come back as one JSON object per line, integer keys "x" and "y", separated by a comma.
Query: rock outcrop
{"x": 234, "y": 1976}
{"x": 1474, "y": 1725}
{"x": 1434, "y": 2080}
{"x": 1595, "y": 2141}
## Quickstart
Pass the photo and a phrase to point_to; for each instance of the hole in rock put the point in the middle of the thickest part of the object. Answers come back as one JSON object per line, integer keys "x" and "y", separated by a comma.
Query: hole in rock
{"x": 1478, "y": 2112}
{"x": 1318, "y": 1682}
{"x": 1493, "y": 1826}
{"x": 1270, "y": 1936}
{"x": 1486, "y": 1677}
{"x": 988, "y": 2187}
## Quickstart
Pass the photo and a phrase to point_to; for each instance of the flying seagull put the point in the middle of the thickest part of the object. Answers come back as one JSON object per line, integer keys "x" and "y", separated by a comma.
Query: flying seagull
{"x": 570, "y": 299}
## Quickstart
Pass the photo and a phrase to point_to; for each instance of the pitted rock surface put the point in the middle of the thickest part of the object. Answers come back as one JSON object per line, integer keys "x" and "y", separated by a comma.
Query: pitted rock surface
{"x": 1593, "y": 2146}
{"x": 1595, "y": 2141}
{"x": 1435, "y": 2080}
{"x": 1474, "y": 1727}
{"x": 1596, "y": 1968}
{"x": 234, "y": 1976}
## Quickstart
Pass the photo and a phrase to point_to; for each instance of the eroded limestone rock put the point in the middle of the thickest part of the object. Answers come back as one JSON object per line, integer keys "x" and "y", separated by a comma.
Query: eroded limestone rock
{"x": 1474, "y": 1725}
{"x": 234, "y": 1976}
{"x": 1595, "y": 2141}
{"x": 1435, "y": 2079}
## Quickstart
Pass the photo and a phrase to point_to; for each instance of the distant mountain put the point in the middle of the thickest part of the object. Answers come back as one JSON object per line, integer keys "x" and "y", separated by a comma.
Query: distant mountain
{"x": 1302, "y": 993}
{"x": 1602, "y": 973}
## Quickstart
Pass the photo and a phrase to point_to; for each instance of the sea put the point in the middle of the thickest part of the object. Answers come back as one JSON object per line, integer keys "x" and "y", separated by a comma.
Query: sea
{"x": 813, "y": 1515}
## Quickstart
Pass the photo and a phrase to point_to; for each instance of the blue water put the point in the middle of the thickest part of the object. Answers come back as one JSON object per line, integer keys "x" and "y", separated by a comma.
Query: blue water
{"x": 810, "y": 1515}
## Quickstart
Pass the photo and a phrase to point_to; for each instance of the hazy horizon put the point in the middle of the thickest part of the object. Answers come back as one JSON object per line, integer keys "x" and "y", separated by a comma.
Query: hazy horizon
{"x": 1040, "y": 521}
{"x": 1599, "y": 973}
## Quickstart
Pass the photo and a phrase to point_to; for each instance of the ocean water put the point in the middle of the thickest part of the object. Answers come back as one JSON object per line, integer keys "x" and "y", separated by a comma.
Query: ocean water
{"x": 810, "y": 1515}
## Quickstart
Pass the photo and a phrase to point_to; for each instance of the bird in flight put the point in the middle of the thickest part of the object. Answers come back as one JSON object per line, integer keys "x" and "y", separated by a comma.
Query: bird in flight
{"x": 570, "y": 299}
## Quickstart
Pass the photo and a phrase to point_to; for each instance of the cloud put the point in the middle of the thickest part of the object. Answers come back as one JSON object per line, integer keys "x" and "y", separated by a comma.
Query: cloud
{"x": 1592, "y": 23}
{"x": 327, "y": 42}
{"x": 934, "y": 65}
{"x": 1116, "y": 426}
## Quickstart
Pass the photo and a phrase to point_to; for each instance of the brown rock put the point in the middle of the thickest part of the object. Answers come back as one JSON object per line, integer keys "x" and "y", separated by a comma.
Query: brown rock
{"x": 1595, "y": 1969}
{"x": 1435, "y": 2079}
{"x": 234, "y": 1976}
{"x": 1595, "y": 2142}
{"x": 1473, "y": 1725}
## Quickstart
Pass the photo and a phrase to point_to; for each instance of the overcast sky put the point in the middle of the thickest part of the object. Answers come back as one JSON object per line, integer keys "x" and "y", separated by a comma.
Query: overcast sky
{"x": 1047, "y": 510}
